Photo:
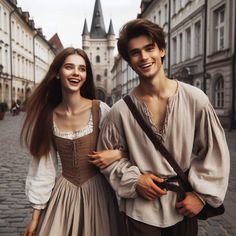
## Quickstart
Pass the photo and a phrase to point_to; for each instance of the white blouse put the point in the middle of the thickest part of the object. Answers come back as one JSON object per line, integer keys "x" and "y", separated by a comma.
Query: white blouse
{"x": 42, "y": 171}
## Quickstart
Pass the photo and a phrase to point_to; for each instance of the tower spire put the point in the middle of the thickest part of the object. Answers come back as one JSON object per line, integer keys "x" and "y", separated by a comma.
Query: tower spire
{"x": 97, "y": 27}
{"x": 111, "y": 30}
{"x": 85, "y": 28}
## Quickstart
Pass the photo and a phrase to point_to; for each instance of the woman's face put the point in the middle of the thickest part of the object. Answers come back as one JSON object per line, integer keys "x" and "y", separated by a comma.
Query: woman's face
{"x": 73, "y": 73}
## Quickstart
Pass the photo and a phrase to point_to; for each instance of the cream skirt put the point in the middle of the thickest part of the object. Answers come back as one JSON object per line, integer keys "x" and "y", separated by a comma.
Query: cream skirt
{"x": 88, "y": 210}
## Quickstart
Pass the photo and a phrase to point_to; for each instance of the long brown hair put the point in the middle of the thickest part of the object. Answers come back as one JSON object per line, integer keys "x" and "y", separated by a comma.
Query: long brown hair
{"x": 37, "y": 130}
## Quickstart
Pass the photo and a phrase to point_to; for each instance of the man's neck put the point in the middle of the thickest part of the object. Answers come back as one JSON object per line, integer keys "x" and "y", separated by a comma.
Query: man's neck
{"x": 159, "y": 86}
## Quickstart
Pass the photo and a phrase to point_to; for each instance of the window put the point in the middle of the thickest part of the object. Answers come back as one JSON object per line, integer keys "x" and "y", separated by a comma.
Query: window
{"x": 198, "y": 83}
{"x": 188, "y": 43}
{"x": 1, "y": 92}
{"x": 98, "y": 78}
{"x": 1, "y": 53}
{"x": 6, "y": 61}
{"x": 180, "y": 47}
{"x": 219, "y": 21}
{"x": 159, "y": 17}
{"x": 166, "y": 14}
{"x": 13, "y": 29}
{"x": 174, "y": 7}
{"x": 105, "y": 72}
{"x": 1, "y": 18}
{"x": 174, "y": 42}
{"x": 197, "y": 38}
{"x": 18, "y": 34}
{"x": 219, "y": 93}
{"x": 97, "y": 59}
{"x": 5, "y": 22}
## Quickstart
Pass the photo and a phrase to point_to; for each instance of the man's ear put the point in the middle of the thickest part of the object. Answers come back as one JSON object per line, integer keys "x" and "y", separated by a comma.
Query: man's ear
{"x": 130, "y": 65}
{"x": 162, "y": 52}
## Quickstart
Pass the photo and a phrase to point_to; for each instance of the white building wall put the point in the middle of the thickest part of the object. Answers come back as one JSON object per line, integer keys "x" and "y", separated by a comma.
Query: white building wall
{"x": 17, "y": 54}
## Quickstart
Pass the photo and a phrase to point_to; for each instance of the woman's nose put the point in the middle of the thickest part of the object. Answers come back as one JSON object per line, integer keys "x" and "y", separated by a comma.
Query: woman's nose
{"x": 76, "y": 71}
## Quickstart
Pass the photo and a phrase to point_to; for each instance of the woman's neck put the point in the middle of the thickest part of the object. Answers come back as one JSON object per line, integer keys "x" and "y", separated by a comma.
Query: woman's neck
{"x": 73, "y": 103}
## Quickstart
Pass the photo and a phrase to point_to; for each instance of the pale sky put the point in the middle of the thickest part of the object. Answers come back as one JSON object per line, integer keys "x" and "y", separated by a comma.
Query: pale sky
{"x": 66, "y": 17}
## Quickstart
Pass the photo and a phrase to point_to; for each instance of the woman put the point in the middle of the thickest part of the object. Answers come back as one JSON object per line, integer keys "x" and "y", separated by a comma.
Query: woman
{"x": 63, "y": 118}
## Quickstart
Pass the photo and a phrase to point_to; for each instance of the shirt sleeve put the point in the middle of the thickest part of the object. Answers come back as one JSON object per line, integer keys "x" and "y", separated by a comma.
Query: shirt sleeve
{"x": 41, "y": 179}
{"x": 209, "y": 171}
{"x": 121, "y": 174}
{"x": 104, "y": 110}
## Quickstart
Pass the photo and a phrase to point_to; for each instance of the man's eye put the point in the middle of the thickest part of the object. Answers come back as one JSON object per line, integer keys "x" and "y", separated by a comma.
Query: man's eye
{"x": 133, "y": 54}
{"x": 150, "y": 48}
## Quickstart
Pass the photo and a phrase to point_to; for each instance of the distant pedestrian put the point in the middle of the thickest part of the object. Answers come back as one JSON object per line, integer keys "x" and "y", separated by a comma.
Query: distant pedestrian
{"x": 64, "y": 119}
{"x": 13, "y": 108}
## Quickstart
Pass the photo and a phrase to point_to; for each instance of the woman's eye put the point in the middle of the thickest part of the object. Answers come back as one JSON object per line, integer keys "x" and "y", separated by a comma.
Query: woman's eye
{"x": 82, "y": 69}
{"x": 69, "y": 67}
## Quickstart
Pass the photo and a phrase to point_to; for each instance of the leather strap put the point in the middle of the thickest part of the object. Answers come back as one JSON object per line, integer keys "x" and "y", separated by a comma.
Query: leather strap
{"x": 156, "y": 142}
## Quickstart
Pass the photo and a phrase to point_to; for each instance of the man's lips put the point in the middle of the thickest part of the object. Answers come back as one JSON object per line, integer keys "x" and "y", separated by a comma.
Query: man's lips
{"x": 146, "y": 65}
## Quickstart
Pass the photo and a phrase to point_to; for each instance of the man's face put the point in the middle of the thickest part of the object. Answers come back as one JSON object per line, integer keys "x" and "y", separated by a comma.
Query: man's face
{"x": 145, "y": 57}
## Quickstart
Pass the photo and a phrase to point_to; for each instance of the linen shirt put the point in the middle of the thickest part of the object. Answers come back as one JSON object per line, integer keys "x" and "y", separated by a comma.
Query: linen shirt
{"x": 193, "y": 135}
{"x": 43, "y": 171}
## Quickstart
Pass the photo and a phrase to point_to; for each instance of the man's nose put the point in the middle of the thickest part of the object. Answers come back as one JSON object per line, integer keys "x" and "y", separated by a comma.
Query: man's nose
{"x": 144, "y": 54}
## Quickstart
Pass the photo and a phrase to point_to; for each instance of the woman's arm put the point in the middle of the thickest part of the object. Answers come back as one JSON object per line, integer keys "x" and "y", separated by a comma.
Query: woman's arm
{"x": 39, "y": 184}
{"x": 104, "y": 158}
{"x": 30, "y": 230}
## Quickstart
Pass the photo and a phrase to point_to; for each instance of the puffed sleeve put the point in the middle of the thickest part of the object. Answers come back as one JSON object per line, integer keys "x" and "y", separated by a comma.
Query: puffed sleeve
{"x": 209, "y": 171}
{"x": 121, "y": 174}
{"x": 104, "y": 110}
{"x": 41, "y": 179}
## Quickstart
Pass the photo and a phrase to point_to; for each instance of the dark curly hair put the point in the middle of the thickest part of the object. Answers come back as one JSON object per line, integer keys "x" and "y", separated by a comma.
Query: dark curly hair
{"x": 136, "y": 28}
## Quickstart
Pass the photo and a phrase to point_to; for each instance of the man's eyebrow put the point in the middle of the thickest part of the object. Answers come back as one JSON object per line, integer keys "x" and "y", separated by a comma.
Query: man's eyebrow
{"x": 145, "y": 46}
{"x": 150, "y": 45}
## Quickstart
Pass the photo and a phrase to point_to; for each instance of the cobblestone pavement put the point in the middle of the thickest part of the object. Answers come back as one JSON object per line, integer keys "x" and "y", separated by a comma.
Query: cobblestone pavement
{"x": 15, "y": 211}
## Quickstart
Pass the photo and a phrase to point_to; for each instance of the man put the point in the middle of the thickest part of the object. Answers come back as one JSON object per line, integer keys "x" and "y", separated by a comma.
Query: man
{"x": 184, "y": 120}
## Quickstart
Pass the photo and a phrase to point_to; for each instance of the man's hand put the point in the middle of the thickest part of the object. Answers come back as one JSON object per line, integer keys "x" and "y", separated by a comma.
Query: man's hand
{"x": 190, "y": 206}
{"x": 147, "y": 188}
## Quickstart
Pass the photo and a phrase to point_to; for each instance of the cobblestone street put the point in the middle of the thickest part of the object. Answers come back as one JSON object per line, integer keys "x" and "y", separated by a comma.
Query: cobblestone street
{"x": 15, "y": 211}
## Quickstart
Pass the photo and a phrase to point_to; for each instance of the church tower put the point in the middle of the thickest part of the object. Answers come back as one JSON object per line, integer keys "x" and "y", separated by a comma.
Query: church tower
{"x": 100, "y": 45}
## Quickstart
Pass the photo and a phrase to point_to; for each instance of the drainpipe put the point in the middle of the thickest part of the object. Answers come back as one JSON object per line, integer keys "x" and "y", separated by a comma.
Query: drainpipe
{"x": 11, "y": 53}
{"x": 169, "y": 21}
{"x": 34, "y": 55}
{"x": 232, "y": 125}
{"x": 205, "y": 48}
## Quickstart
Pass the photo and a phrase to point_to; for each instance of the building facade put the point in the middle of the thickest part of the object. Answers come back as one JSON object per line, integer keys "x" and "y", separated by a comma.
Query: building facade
{"x": 200, "y": 37}
{"x": 25, "y": 54}
{"x": 99, "y": 46}
{"x": 124, "y": 79}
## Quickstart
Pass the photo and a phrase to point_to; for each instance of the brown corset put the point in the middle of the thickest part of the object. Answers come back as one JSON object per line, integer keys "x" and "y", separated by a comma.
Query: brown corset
{"x": 73, "y": 153}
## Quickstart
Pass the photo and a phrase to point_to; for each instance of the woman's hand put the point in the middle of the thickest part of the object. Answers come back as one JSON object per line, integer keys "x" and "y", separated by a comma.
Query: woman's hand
{"x": 30, "y": 230}
{"x": 104, "y": 158}
{"x": 190, "y": 206}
